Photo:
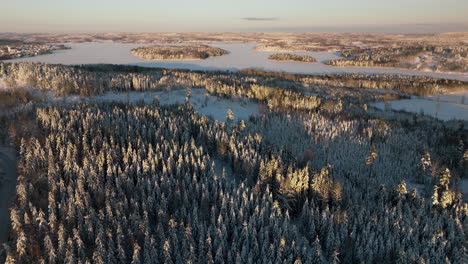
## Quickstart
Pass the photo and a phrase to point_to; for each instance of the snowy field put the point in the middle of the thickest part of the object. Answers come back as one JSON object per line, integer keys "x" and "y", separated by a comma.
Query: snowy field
{"x": 444, "y": 107}
{"x": 463, "y": 188}
{"x": 213, "y": 106}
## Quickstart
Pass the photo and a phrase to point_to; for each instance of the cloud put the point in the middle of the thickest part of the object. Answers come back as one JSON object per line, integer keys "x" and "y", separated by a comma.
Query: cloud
{"x": 260, "y": 18}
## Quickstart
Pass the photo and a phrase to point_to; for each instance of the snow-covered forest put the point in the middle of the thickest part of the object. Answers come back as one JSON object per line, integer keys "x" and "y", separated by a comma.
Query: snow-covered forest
{"x": 291, "y": 57}
{"x": 315, "y": 176}
{"x": 95, "y": 79}
{"x": 420, "y": 57}
{"x": 166, "y": 52}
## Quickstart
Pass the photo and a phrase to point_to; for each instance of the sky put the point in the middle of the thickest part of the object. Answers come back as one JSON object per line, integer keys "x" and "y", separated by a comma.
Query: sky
{"x": 403, "y": 16}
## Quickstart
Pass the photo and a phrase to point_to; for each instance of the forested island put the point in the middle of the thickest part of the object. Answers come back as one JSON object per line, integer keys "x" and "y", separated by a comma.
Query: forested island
{"x": 291, "y": 57}
{"x": 182, "y": 52}
{"x": 316, "y": 175}
{"x": 438, "y": 58}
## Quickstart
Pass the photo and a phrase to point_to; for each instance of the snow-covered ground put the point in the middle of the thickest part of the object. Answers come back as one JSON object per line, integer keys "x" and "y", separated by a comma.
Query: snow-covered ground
{"x": 213, "y": 106}
{"x": 446, "y": 107}
{"x": 2, "y": 85}
{"x": 463, "y": 187}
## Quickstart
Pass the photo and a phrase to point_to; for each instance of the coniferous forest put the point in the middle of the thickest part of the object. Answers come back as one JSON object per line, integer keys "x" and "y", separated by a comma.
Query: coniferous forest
{"x": 317, "y": 176}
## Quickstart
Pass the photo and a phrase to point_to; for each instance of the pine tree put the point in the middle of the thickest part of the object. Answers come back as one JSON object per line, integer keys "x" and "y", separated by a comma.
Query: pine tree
{"x": 401, "y": 189}
{"x": 136, "y": 254}
{"x": 334, "y": 258}
{"x": 229, "y": 115}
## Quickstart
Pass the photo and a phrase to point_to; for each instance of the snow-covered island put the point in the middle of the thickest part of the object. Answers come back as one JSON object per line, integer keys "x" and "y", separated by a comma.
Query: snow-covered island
{"x": 185, "y": 52}
{"x": 291, "y": 57}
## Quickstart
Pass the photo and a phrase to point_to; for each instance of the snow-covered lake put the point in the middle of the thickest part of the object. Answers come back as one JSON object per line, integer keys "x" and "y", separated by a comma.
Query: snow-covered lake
{"x": 240, "y": 56}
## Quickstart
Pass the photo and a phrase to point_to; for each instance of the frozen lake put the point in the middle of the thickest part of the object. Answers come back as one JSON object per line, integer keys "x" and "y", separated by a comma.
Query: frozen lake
{"x": 444, "y": 107}
{"x": 240, "y": 56}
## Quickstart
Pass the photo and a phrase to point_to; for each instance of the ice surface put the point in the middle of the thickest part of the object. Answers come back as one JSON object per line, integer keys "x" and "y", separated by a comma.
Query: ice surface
{"x": 458, "y": 98}
{"x": 448, "y": 107}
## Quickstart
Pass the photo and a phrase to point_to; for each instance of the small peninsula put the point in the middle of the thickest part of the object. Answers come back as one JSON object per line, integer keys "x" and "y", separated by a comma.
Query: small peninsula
{"x": 172, "y": 52}
{"x": 13, "y": 49}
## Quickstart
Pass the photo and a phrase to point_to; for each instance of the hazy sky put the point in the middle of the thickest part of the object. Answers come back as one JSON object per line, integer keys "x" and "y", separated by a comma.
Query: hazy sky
{"x": 233, "y": 15}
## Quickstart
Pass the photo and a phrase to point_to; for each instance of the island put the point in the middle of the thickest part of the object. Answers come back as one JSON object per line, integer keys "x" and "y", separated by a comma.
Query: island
{"x": 291, "y": 57}
{"x": 182, "y": 52}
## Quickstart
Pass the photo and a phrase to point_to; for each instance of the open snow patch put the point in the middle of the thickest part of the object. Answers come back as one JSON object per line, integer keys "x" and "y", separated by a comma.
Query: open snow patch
{"x": 438, "y": 109}
{"x": 208, "y": 105}
{"x": 463, "y": 187}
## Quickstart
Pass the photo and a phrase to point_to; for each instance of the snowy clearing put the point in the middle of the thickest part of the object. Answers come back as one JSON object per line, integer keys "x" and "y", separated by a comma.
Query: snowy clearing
{"x": 213, "y": 106}
{"x": 463, "y": 187}
{"x": 441, "y": 110}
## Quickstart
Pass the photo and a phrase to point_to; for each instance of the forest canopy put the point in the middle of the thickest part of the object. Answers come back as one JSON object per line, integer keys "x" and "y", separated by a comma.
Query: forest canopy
{"x": 315, "y": 176}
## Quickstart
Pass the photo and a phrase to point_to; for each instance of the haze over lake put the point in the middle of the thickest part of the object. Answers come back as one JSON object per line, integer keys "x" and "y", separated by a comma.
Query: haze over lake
{"x": 240, "y": 56}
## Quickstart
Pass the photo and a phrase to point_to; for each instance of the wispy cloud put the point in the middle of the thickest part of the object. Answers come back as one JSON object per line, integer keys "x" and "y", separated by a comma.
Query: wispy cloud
{"x": 260, "y": 18}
